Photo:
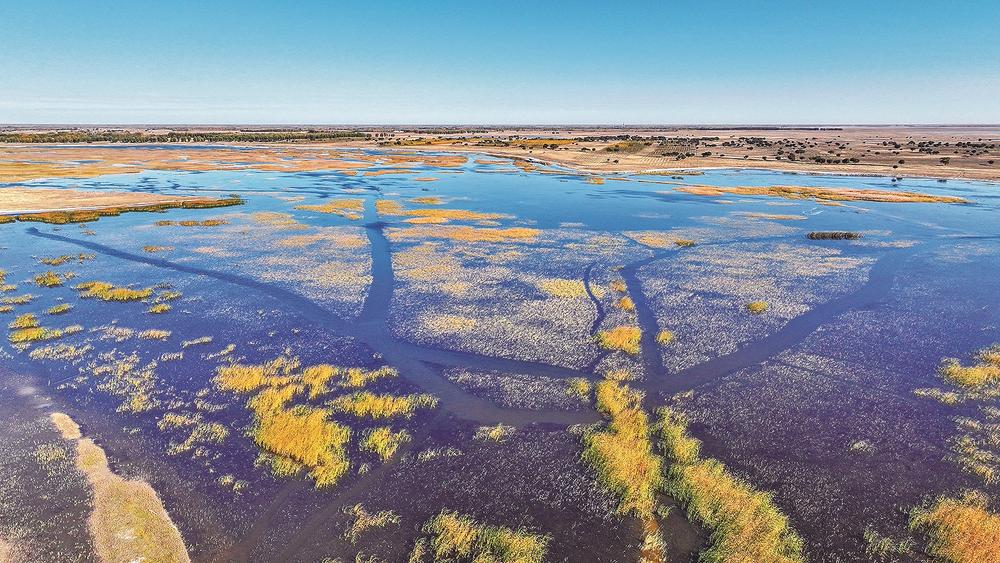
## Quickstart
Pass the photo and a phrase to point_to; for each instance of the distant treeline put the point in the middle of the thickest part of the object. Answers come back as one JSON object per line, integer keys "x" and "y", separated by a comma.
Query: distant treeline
{"x": 176, "y": 136}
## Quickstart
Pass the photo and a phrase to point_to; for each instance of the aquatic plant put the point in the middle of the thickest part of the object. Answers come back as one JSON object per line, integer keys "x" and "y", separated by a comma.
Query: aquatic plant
{"x": 459, "y": 538}
{"x": 154, "y": 334}
{"x": 757, "y": 307}
{"x": 472, "y": 234}
{"x": 619, "y": 286}
{"x": 196, "y": 341}
{"x": 62, "y": 259}
{"x": 664, "y": 337}
{"x": 59, "y": 352}
{"x": 364, "y": 521}
{"x": 986, "y": 371}
{"x": 192, "y": 223}
{"x": 34, "y": 334}
{"x": 625, "y": 304}
{"x": 960, "y": 530}
{"x": 745, "y": 524}
{"x": 26, "y": 320}
{"x": 48, "y": 279}
{"x": 6, "y": 308}
{"x": 307, "y": 437}
{"x": 371, "y": 405}
{"x": 833, "y": 235}
{"x": 383, "y": 441}
{"x": 158, "y": 308}
{"x": 23, "y": 299}
{"x": 59, "y": 309}
{"x": 153, "y": 249}
{"x": 558, "y": 287}
{"x": 427, "y": 200}
{"x": 109, "y": 292}
{"x": 624, "y": 338}
{"x": 621, "y": 454}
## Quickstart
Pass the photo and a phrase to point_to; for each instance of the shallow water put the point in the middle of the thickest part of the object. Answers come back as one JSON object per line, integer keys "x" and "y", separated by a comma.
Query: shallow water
{"x": 853, "y": 328}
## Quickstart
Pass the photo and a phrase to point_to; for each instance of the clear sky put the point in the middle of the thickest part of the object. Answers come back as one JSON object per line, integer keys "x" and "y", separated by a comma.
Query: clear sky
{"x": 420, "y": 61}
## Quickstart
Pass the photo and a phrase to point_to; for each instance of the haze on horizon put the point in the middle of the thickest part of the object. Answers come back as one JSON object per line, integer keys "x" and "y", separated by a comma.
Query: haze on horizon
{"x": 515, "y": 63}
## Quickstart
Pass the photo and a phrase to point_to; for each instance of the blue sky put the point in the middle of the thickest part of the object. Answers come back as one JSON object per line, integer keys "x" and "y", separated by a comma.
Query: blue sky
{"x": 78, "y": 61}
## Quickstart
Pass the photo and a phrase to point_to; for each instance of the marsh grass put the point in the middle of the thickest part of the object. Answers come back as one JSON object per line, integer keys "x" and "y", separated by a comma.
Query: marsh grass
{"x": 153, "y": 249}
{"x": 192, "y": 223}
{"x": 366, "y": 404}
{"x": 496, "y": 433}
{"x": 985, "y": 372}
{"x": 664, "y": 337}
{"x": 459, "y": 538}
{"x": 26, "y": 320}
{"x": 623, "y": 338}
{"x": 59, "y": 352}
{"x": 383, "y": 441}
{"x": 154, "y": 334}
{"x": 364, "y": 521}
{"x": 64, "y": 258}
{"x": 625, "y": 304}
{"x": 22, "y": 299}
{"x": 563, "y": 288}
{"x": 621, "y": 454}
{"x": 48, "y": 279}
{"x": 757, "y": 307}
{"x": 744, "y": 524}
{"x": 349, "y": 208}
{"x": 158, "y": 308}
{"x": 109, "y": 292}
{"x": 59, "y": 309}
{"x": 960, "y": 530}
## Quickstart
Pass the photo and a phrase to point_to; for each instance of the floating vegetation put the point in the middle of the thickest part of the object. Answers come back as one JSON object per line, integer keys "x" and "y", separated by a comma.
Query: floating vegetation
{"x": 624, "y": 338}
{"x": 128, "y": 522}
{"x": 621, "y": 453}
{"x": 833, "y": 235}
{"x": 960, "y": 530}
{"x": 59, "y": 309}
{"x": 772, "y": 216}
{"x": 366, "y": 404}
{"x": 427, "y": 200}
{"x": 364, "y": 521}
{"x": 383, "y": 441}
{"x": 34, "y": 334}
{"x": 557, "y": 287}
{"x": 6, "y": 308}
{"x": 579, "y": 387}
{"x": 158, "y": 308}
{"x": 349, "y": 208}
{"x": 664, "y": 337}
{"x": 127, "y": 377}
{"x": 986, "y": 371}
{"x": 192, "y": 223}
{"x": 658, "y": 239}
{"x": 497, "y": 433}
{"x": 202, "y": 433}
{"x": 745, "y": 524}
{"x": 50, "y": 279}
{"x": 109, "y": 292}
{"x": 60, "y": 260}
{"x": 757, "y": 307}
{"x": 153, "y": 249}
{"x": 459, "y": 538}
{"x": 154, "y": 334}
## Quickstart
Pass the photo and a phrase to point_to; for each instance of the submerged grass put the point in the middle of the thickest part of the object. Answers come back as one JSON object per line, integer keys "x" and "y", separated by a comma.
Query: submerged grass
{"x": 364, "y": 521}
{"x": 744, "y": 524}
{"x": 109, "y": 292}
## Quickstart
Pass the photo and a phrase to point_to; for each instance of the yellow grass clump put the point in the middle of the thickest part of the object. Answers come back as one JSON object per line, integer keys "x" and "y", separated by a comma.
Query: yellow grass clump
{"x": 154, "y": 334}
{"x": 307, "y": 437}
{"x": 497, "y": 433}
{"x": 23, "y": 299}
{"x": 245, "y": 378}
{"x": 622, "y": 454}
{"x": 558, "y": 287}
{"x": 664, "y": 337}
{"x": 388, "y": 207}
{"x": 744, "y": 524}
{"x": 459, "y": 538}
{"x": 473, "y": 234}
{"x": 33, "y": 334}
{"x": 108, "y": 292}
{"x": 62, "y": 352}
{"x": 619, "y": 286}
{"x": 153, "y": 249}
{"x": 625, "y": 304}
{"x": 27, "y": 320}
{"x": 371, "y": 405}
{"x": 59, "y": 309}
{"x": 192, "y": 223}
{"x": 60, "y": 260}
{"x": 158, "y": 308}
{"x": 428, "y": 200}
{"x": 383, "y": 441}
{"x": 349, "y": 208}
{"x": 449, "y": 323}
{"x": 623, "y": 338}
{"x": 986, "y": 371}
{"x": 757, "y": 307}
{"x": 960, "y": 530}
{"x": 48, "y": 279}
{"x": 364, "y": 521}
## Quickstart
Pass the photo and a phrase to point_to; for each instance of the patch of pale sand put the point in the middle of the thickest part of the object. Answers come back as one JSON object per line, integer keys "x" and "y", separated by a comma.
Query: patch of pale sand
{"x": 128, "y": 522}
